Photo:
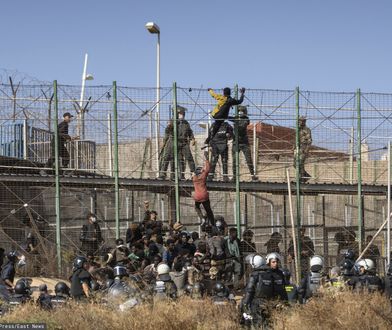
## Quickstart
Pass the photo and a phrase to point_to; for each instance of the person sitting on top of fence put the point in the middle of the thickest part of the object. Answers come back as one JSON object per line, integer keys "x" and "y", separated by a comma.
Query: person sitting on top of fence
{"x": 222, "y": 110}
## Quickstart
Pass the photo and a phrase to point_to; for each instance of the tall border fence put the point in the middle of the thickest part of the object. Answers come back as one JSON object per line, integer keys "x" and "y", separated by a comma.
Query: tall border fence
{"x": 115, "y": 163}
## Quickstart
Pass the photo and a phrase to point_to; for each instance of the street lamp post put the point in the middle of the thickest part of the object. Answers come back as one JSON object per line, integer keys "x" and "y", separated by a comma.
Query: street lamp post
{"x": 85, "y": 76}
{"x": 154, "y": 29}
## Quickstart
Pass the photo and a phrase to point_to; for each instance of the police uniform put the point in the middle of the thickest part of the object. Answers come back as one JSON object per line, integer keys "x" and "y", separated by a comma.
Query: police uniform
{"x": 311, "y": 284}
{"x": 58, "y": 301}
{"x": 184, "y": 136}
{"x": 44, "y": 301}
{"x": 369, "y": 282}
{"x": 79, "y": 277}
{"x": 220, "y": 148}
{"x": 305, "y": 141}
{"x": 8, "y": 272}
{"x": 63, "y": 137}
{"x": 292, "y": 293}
{"x": 243, "y": 142}
{"x": 164, "y": 288}
{"x": 265, "y": 284}
{"x": 167, "y": 155}
{"x": 18, "y": 299}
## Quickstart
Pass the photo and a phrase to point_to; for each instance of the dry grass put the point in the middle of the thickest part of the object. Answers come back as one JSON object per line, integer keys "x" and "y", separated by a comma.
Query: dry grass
{"x": 184, "y": 314}
{"x": 343, "y": 311}
{"x": 346, "y": 311}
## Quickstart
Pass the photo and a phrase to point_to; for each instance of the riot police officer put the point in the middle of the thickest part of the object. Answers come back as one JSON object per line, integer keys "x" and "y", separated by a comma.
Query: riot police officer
{"x": 164, "y": 286}
{"x": 347, "y": 268}
{"x": 312, "y": 282}
{"x": 9, "y": 269}
{"x": 61, "y": 296}
{"x": 22, "y": 293}
{"x": 291, "y": 289}
{"x": 220, "y": 148}
{"x": 367, "y": 279}
{"x": 121, "y": 294}
{"x": 44, "y": 300}
{"x": 251, "y": 303}
{"x": 243, "y": 142}
{"x": 221, "y": 294}
{"x": 185, "y": 137}
{"x": 80, "y": 279}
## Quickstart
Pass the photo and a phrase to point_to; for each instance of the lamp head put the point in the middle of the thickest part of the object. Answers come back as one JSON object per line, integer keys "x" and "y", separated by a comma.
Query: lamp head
{"x": 152, "y": 28}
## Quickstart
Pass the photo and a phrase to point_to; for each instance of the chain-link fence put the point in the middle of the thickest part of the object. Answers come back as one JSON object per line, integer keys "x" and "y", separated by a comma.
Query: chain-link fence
{"x": 119, "y": 146}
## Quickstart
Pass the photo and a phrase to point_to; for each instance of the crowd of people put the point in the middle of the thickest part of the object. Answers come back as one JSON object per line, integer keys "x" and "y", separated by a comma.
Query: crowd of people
{"x": 155, "y": 263}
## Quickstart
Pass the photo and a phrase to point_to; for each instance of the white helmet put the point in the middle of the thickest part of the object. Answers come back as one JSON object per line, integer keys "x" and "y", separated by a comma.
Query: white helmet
{"x": 368, "y": 264}
{"x": 257, "y": 261}
{"x": 316, "y": 263}
{"x": 163, "y": 269}
{"x": 273, "y": 255}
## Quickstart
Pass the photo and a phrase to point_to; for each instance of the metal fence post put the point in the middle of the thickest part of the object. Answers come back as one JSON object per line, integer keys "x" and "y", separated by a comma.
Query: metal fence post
{"x": 57, "y": 177}
{"x": 175, "y": 147}
{"x": 116, "y": 189}
{"x": 359, "y": 169}
{"x": 389, "y": 207}
{"x": 237, "y": 168}
{"x": 298, "y": 180}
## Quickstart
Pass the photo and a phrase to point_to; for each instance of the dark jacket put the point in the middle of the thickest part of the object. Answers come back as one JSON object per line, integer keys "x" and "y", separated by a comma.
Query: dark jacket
{"x": 265, "y": 284}
{"x": 242, "y": 123}
{"x": 63, "y": 133}
{"x": 224, "y": 134}
{"x": 184, "y": 132}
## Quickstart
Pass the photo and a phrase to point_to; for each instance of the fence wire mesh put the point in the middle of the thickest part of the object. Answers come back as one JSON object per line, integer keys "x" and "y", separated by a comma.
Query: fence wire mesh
{"x": 344, "y": 126}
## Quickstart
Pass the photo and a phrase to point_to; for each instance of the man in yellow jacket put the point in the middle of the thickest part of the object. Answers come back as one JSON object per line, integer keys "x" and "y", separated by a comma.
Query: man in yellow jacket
{"x": 221, "y": 110}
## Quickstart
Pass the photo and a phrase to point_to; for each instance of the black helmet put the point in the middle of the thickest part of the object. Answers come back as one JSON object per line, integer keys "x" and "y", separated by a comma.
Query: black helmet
{"x": 198, "y": 289}
{"x": 349, "y": 254}
{"x": 287, "y": 274}
{"x": 12, "y": 255}
{"x": 61, "y": 288}
{"x": 79, "y": 262}
{"x": 219, "y": 287}
{"x": 347, "y": 267}
{"x": 198, "y": 170}
{"x": 188, "y": 289}
{"x": 120, "y": 271}
{"x": 21, "y": 287}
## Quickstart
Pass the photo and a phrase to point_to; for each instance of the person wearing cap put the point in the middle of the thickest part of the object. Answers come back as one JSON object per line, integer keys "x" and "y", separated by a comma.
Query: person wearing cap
{"x": 184, "y": 137}
{"x": 222, "y": 110}
{"x": 305, "y": 142}
{"x": 63, "y": 138}
{"x": 241, "y": 124}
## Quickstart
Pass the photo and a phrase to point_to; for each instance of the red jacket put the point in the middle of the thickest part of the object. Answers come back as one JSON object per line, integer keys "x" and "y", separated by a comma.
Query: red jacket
{"x": 199, "y": 182}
